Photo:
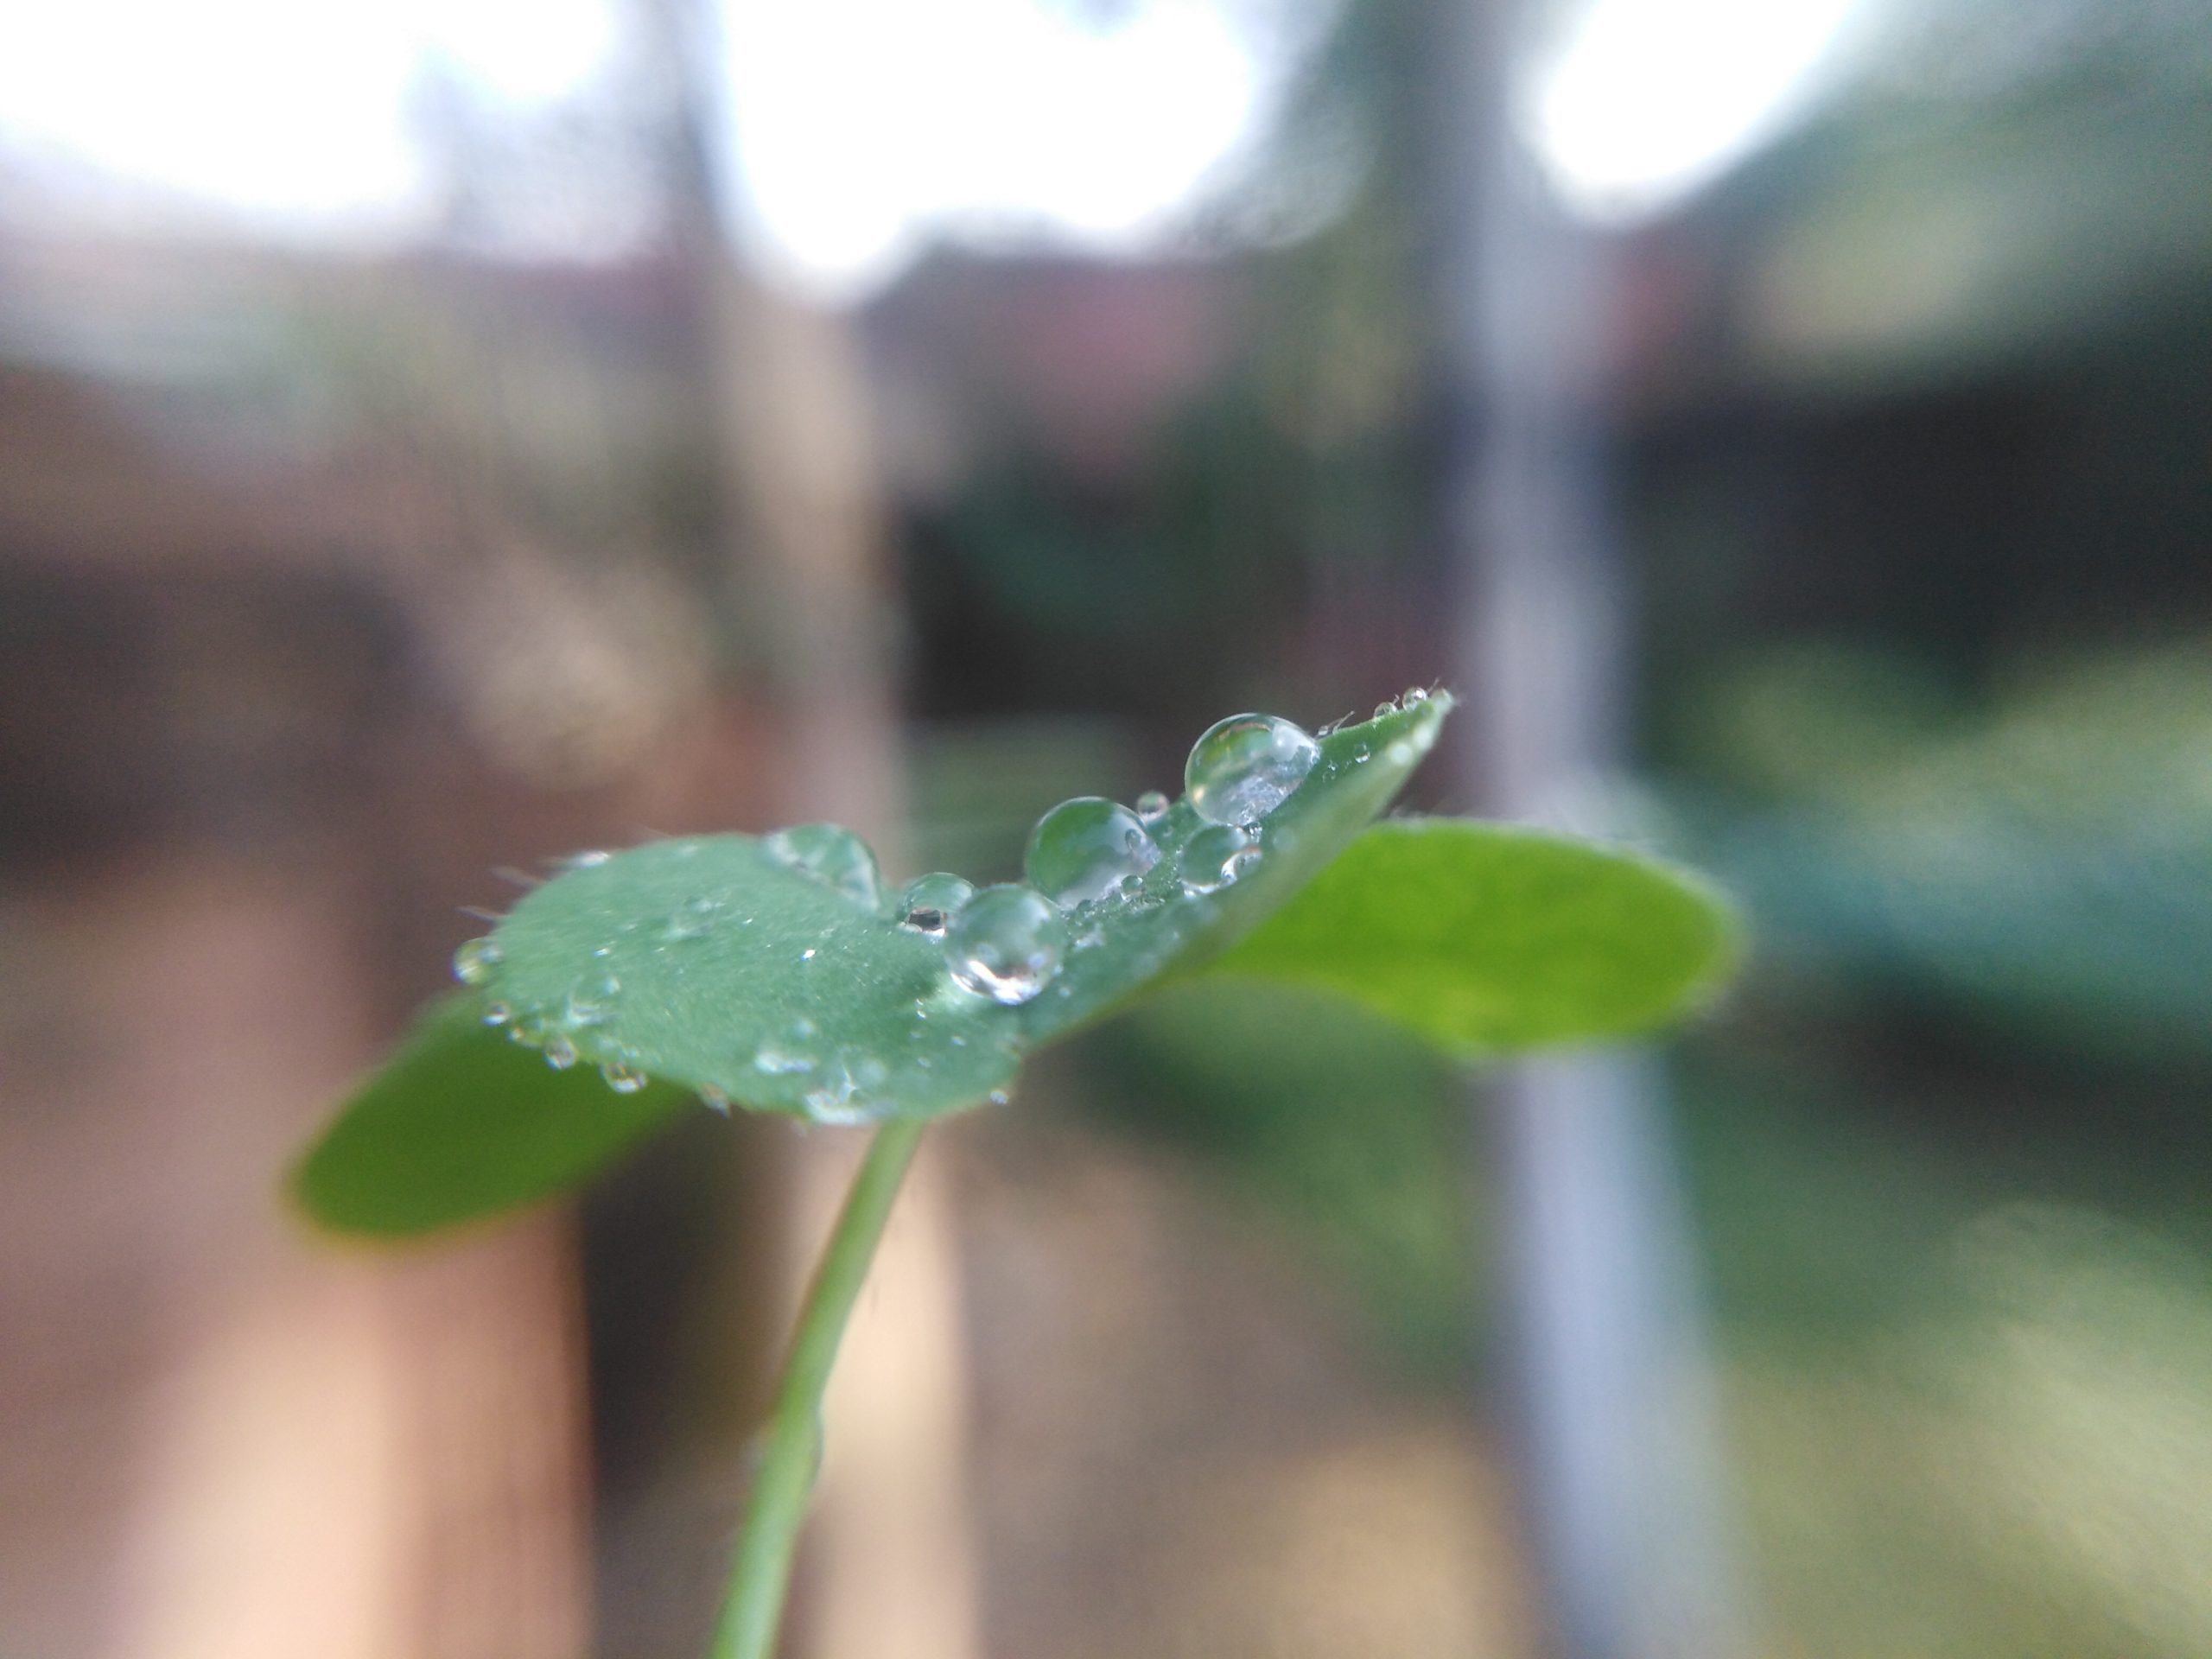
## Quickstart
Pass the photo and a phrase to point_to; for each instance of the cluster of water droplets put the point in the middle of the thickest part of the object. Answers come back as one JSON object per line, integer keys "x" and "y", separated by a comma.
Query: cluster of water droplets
{"x": 1087, "y": 859}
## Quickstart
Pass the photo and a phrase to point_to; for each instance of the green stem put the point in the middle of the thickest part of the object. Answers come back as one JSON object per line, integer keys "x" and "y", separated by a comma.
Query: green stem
{"x": 760, "y": 1574}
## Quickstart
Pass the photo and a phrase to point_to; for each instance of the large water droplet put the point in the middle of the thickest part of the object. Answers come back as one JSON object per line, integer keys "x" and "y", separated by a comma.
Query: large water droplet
{"x": 1152, "y": 806}
{"x": 1214, "y": 857}
{"x": 1246, "y": 766}
{"x": 833, "y": 856}
{"x": 474, "y": 962}
{"x": 1085, "y": 850}
{"x": 623, "y": 1079}
{"x": 1006, "y": 943}
{"x": 929, "y": 902}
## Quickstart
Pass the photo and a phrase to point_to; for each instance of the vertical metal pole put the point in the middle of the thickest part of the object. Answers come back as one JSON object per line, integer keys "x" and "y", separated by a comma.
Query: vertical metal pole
{"x": 1614, "y": 1413}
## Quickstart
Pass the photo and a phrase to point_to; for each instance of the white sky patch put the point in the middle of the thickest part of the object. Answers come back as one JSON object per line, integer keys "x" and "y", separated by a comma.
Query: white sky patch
{"x": 859, "y": 128}
{"x": 290, "y": 115}
{"x": 1643, "y": 103}
{"x": 861, "y": 125}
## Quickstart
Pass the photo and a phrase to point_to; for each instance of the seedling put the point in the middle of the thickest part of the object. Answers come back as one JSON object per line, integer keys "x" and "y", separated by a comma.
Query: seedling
{"x": 781, "y": 973}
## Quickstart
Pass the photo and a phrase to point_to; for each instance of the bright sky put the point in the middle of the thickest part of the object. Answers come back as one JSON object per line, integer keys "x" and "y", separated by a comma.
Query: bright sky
{"x": 1639, "y": 104}
{"x": 861, "y": 126}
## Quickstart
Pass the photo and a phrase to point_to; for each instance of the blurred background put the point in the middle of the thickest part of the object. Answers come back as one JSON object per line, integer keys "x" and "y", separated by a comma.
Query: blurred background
{"x": 436, "y": 438}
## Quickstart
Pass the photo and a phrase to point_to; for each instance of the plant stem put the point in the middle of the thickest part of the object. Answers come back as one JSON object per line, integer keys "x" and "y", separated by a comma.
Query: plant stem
{"x": 760, "y": 1572}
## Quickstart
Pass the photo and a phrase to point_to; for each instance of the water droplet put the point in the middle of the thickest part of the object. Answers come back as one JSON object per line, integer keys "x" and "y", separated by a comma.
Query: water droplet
{"x": 526, "y": 1032}
{"x": 807, "y": 954}
{"x": 801, "y": 1027}
{"x": 1083, "y": 850}
{"x": 582, "y": 1011}
{"x": 603, "y": 950}
{"x": 610, "y": 986}
{"x": 1005, "y": 944}
{"x": 622, "y": 1079}
{"x": 496, "y": 1013}
{"x": 1210, "y": 858}
{"x": 1388, "y": 706}
{"x": 778, "y": 1062}
{"x": 833, "y": 856}
{"x": 1412, "y": 698}
{"x": 999, "y": 1097}
{"x": 588, "y": 861}
{"x": 1246, "y": 766}
{"x": 474, "y": 962}
{"x": 847, "y": 1092}
{"x": 715, "y": 1099}
{"x": 928, "y": 902}
{"x": 1152, "y": 806}
{"x": 560, "y": 1053}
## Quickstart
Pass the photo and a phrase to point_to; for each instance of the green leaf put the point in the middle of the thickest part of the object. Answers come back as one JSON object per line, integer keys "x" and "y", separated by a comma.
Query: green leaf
{"x": 788, "y": 984}
{"x": 1490, "y": 939}
{"x": 462, "y": 1124}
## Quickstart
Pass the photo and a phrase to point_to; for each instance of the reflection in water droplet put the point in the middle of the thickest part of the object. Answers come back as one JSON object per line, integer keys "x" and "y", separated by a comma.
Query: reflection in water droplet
{"x": 496, "y": 1013}
{"x": 582, "y": 1011}
{"x": 1152, "y": 806}
{"x": 1412, "y": 698}
{"x": 560, "y": 1053}
{"x": 1083, "y": 850}
{"x": 526, "y": 1032}
{"x": 928, "y": 902}
{"x": 474, "y": 962}
{"x": 1388, "y": 706}
{"x": 714, "y": 1097}
{"x": 1246, "y": 766}
{"x": 1210, "y": 858}
{"x": 1005, "y": 944}
{"x": 589, "y": 861}
{"x": 999, "y": 1097}
{"x": 833, "y": 856}
{"x": 622, "y": 1079}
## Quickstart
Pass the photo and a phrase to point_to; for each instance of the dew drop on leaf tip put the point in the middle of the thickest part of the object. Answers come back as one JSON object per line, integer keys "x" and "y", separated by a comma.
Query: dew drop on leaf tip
{"x": 1246, "y": 766}
{"x": 1006, "y": 943}
{"x": 1085, "y": 851}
